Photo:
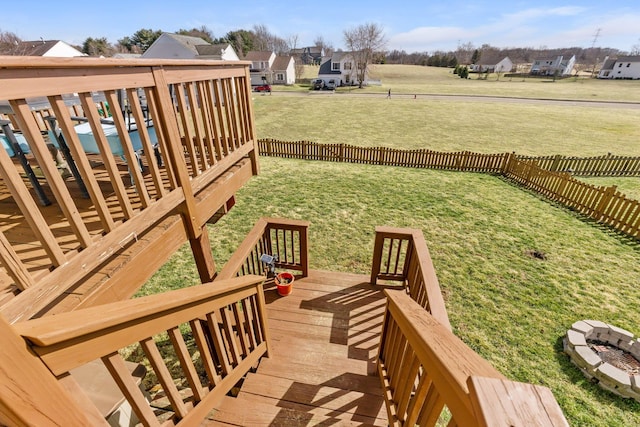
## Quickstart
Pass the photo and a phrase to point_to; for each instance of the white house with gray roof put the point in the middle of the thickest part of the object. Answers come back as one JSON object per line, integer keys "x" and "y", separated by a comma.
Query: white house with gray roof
{"x": 177, "y": 46}
{"x": 340, "y": 67}
{"x": 47, "y": 48}
{"x": 267, "y": 67}
{"x": 558, "y": 66}
{"x": 625, "y": 67}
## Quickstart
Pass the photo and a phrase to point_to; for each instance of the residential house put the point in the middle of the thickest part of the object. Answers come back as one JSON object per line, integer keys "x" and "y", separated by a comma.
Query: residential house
{"x": 625, "y": 67}
{"x": 177, "y": 46}
{"x": 260, "y": 68}
{"x": 283, "y": 70}
{"x": 489, "y": 63}
{"x": 558, "y": 66}
{"x": 49, "y": 48}
{"x": 311, "y": 55}
{"x": 267, "y": 67}
{"x": 220, "y": 51}
{"x": 340, "y": 67}
{"x": 606, "y": 70}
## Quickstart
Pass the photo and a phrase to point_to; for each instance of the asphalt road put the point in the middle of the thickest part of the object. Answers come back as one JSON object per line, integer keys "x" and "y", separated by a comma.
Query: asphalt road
{"x": 466, "y": 98}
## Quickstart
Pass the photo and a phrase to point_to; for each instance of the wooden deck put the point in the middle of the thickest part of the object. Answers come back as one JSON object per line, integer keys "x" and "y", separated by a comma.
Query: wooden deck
{"x": 321, "y": 369}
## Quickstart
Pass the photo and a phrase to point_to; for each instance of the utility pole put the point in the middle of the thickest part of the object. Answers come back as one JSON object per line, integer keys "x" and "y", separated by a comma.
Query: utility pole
{"x": 593, "y": 45}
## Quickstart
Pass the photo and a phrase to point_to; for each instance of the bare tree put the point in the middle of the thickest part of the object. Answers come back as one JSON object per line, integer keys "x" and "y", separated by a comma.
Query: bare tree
{"x": 324, "y": 45}
{"x": 635, "y": 49}
{"x": 264, "y": 40}
{"x": 292, "y": 42}
{"x": 364, "y": 42}
{"x": 464, "y": 53}
{"x": 203, "y": 32}
{"x": 10, "y": 44}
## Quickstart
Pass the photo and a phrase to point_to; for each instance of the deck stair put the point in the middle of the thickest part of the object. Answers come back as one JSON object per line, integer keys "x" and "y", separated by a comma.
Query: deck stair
{"x": 321, "y": 368}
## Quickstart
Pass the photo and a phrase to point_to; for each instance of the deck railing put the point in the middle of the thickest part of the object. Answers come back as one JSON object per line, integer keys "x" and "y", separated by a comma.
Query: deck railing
{"x": 175, "y": 127}
{"x": 424, "y": 367}
{"x": 217, "y": 333}
{"x": 401, "y": 254}
{"x": 284, "y": 239}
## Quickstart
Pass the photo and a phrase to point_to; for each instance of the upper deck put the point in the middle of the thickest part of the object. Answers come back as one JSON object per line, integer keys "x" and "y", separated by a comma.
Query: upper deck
{"x": 84, "y": 225}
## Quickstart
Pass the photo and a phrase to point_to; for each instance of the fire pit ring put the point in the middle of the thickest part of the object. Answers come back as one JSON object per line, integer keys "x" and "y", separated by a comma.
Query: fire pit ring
{"x": 607, "y": 354}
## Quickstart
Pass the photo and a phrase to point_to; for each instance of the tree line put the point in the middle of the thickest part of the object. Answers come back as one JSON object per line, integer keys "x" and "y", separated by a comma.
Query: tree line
{"x": 366, "y": 40}
{"x": 469, "y": 54}
{"x": 258, "y": 38}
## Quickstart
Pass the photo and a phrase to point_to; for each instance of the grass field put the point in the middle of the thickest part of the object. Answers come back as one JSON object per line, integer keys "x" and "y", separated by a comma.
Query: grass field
{"x": 414, "y": 79}
{"x": 450, "y": 125}
{"x": 511, "y": 308}
{"x": 454, "y": 123}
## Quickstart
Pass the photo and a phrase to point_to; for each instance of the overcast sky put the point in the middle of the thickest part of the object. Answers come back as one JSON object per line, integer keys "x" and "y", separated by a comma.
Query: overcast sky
{"x": 414, "y": 26}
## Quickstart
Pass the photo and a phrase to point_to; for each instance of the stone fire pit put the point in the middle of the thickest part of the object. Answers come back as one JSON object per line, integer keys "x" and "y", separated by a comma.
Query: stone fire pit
{"x": 607, "y": 354}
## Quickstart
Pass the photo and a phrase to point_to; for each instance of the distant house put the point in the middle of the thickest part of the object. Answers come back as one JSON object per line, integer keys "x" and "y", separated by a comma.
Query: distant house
{"x": 284, "y": 70}
{"x": 221, "y": 51}
{"x": 260, "y": 69}
{"x": 48, "y": 48}
{"x": 492, "y": 64}
{"x": 625, "y": 67}
{"x": 266, "y": 67}
{"x": 177, "y": 46}
{"x": 340, "y": 67}
{"x": 311, "y": 55}
{"x": 558, "y": 66}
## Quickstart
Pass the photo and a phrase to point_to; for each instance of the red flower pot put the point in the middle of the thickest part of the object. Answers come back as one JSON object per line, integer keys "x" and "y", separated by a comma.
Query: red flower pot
{"x": 284, "y": 283}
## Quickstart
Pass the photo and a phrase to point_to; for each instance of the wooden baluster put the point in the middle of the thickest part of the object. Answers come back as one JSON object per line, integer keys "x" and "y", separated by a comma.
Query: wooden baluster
{"x": 205, "y": 351}
{"x": 218, "y": 342}
{"x": 227, "y": 327}
{"x": 119, "y": 372}
{"x": 242, "y": 334}
{"x": 188, "y": 369}
{"x": 164, "y": 376}
{"x": 145, "y": 139}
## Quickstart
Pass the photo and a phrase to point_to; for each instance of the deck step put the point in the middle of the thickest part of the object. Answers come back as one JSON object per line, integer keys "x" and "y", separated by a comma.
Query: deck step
{"x": 250, "y": 411}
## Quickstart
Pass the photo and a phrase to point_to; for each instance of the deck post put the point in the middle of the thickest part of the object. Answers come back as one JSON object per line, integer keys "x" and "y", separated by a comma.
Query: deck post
{"x": 377, "y": 253}
{"x": 201, "y": 248}
{"x": 255, "y": 164}
{"x": 175, "y": 157}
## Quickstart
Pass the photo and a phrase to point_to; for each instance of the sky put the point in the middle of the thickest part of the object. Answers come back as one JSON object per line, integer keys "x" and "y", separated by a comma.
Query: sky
{"x": 413, "y": 26}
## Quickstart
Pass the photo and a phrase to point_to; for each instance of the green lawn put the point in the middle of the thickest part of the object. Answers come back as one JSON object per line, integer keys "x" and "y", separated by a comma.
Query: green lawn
{"x": 510, "y": 308}
{"x": 414, "y": 79}
{"x": 450, "y": 124}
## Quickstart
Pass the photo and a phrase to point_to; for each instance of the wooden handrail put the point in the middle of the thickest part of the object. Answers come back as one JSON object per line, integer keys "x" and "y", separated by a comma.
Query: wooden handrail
{"x": 285, "y": 238}
{"x": 423, "y": 367}
{"x": 401, "y": 254}
{"x": 200, "y": 118}
{"x": 227, "y": 322}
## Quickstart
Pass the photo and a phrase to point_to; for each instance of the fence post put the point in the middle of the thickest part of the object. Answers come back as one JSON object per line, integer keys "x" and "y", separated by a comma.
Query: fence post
{"x": 607, "y": 195}
{"x": 381, "y": 155}
{"x": 269, "y": 149}
{"x": 506, "y": 163}
{"x": 555, "y": 163}
{"x": 341, "y": 152}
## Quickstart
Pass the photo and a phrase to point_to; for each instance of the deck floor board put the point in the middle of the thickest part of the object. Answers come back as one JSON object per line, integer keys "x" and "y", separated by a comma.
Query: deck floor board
{"x": 321, "y": 366}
